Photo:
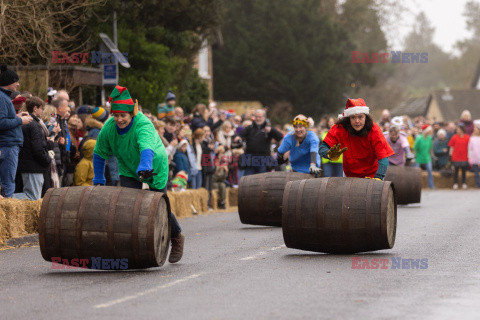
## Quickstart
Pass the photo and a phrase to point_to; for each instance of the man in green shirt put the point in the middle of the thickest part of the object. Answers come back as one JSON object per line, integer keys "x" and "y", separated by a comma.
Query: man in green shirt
{"x": 422, "y": 148}
{"x": 131, "y": 137}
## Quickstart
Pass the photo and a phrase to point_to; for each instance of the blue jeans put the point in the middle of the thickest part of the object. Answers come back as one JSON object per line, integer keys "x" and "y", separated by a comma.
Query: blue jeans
{"x": 32, "y": 185}
{"x": 128, "y": 182}
{"x": 427, "y": 166}
{"x": 476, "y": 169}
{"x": 197, "y": 180}
{"x": 332, "y": 169}
{"x": 8, "y": 169}
{"x": 255, "y": 169}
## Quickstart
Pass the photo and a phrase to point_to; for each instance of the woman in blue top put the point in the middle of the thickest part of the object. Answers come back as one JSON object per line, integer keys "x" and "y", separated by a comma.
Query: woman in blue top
{"x": 303, "y": 147}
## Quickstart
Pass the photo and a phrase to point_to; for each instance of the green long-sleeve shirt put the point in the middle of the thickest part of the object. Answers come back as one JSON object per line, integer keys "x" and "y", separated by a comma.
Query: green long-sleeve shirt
{"x": 422, "y": 148}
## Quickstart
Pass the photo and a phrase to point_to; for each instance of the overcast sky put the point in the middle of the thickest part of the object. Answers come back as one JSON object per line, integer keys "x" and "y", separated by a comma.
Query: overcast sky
{"x": 444, "y": 15}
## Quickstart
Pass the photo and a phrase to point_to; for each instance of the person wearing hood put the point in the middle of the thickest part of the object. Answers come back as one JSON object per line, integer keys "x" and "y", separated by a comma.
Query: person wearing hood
{"x": 131, "y": 137}
{"x": 167, "y": 109}
{"x": 84, "y": 170}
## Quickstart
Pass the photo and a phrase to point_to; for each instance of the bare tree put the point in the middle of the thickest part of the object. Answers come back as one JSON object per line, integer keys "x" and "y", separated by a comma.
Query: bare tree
{"x": 31, "y": 30}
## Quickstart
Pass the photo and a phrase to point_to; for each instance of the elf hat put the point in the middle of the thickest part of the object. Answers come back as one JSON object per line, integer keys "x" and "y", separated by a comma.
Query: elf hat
{"x": 354, "y": 106}
{"x": 121, "y": 101}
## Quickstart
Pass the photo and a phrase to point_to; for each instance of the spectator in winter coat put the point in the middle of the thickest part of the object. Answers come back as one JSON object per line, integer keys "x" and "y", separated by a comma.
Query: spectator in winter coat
{"x": 459, "y": 155}
{"x": 167, "y": 109}
{"x": 202, "y": 118}
{"x": 221, "y": 173}
{"x": 34, "y": 159}
{"x": 258, "y": 138}
{"x": 63, "y": 137}
{"x": 49, "y": 117}
{"x": 474, "y": 152}
{"x": 466, "y": 121}
{"x": 181, "y": 159}
{"x": 11, "y": 136}
{"x": 208, "y": 165}
{"x": 196, "y": 146}
{"x": 84, "y": 170}
{"x": 440, "y": 149}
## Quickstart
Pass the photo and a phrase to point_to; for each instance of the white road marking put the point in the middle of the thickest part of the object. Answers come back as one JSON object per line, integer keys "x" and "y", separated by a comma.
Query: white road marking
{"x": 140, "y": 294}
{"x": 261, "y": 253}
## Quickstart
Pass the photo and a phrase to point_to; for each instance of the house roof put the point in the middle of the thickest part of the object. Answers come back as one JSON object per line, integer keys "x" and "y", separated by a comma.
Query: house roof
{"x": 412, "y": 107}
{"x": 452, "y": 103}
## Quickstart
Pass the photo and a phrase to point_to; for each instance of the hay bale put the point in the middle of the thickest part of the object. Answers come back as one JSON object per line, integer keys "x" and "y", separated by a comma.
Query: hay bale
{"x": 446, "y": 182}
{"x": 32, "y": 213}
{"x": 232, "y": 196}
{"x": 14, "y": 212}
{"x": 3, "y": 225}
{"x": 200, "y": 200}
{"x": 215, "y": 197}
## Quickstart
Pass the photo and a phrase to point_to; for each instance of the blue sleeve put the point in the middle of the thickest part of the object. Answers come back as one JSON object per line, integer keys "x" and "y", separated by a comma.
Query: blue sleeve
{"x": 314, "y": 142}
{"x": 98, "y": 170}
{"x": 286, "y": 145}
{"x": 6, "y": 123}
{"x": 382, "y": 168}
{"x": 323, "y": 150}
{"x": 146, "y": 160}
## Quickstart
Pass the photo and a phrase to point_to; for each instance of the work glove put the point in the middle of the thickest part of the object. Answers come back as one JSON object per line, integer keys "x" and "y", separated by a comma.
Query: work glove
{"x": 145, "y": 174}
{"x": 335, "y": 152}
{"x": 314, "y": 169}
{"x": 374, "y": 178}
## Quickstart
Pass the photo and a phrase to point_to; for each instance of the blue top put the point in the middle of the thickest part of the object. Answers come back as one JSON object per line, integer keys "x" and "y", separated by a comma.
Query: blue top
{"x": 300, "y": 156}
{"x": 10, "y": 125}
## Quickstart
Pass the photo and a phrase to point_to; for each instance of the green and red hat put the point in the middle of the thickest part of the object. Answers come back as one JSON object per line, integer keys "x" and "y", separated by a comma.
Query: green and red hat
{"x": 121, "y": 101}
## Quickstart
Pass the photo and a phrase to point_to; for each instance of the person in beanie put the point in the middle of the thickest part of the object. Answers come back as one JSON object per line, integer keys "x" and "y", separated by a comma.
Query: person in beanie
{"x": 11, "y": 136}
{"x": 360, "y": 140}
{"x": 167, "y": 109}
{"x": 84, "y": 170}
{"x": 303, "y": 146}
{"x": 131, "y": 137}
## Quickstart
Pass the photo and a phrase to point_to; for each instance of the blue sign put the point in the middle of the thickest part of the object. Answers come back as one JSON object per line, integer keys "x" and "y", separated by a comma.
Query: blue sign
{"x": 110, "y": 74}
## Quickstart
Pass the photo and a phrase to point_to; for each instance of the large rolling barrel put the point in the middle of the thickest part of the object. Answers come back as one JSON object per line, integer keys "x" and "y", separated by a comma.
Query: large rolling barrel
{"x": 339, "y": 215}
{"x": 260, "y": 197}
{"x": 105, "y": 222}
{"x": 407, "y": 182}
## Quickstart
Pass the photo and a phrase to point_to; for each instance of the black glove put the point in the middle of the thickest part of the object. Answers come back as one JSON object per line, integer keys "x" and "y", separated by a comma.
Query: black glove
{"x": 143, "y": 175}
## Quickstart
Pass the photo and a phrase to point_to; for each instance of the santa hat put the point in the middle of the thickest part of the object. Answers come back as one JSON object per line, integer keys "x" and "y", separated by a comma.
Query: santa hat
{"x": 354, "y": 106}
{"x": 121, "y": 101}
{"x": 426, "y": 127}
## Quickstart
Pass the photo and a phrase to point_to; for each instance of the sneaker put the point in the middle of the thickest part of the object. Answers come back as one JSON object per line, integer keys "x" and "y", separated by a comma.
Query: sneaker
{"x": 176, "y": 252}
{"x": 455, "y": 186}
{"x": 210, "y": 208}
{"x": 464, "y": 186}
{"x": 222, "y": 205}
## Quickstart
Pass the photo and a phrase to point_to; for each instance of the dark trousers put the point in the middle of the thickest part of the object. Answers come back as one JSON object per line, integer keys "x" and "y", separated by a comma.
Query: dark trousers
{"x": 458, "y": 166}
{"x": 128, "y": 182}
{"x": 207, "y": 181}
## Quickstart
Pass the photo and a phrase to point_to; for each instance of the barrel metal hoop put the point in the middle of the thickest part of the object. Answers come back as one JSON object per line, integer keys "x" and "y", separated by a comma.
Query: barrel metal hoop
{"x": 42, "y": 230}
{"x": 346, "y": 210}
{"x": 58, "y": 220}
{"x": 321, "y": 210}
{"x": 298, "y": 207}
{"x": 135, "y": 222}
{"x": 151, "y": 226}
{"x": 383, "y": 212}
{"x": 368, "y": 219}
{"x": 111, "y": 221}
{"x": 80, "y": 217}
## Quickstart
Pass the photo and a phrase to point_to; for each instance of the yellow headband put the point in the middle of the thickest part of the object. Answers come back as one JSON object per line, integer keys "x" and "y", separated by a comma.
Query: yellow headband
{"x": 300, "y": 121}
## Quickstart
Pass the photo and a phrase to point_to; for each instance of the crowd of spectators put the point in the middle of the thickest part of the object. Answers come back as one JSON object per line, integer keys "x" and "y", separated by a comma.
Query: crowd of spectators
{"x": 50, "y": 144}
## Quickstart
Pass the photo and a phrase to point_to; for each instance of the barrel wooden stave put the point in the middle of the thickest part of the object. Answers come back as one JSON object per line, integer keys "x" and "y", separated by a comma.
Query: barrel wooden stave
{"x": 260, "y": 197}
{"x": 339, "y": 215}
{"x": 106, "y": 222}
{"x": 408, "y": 183}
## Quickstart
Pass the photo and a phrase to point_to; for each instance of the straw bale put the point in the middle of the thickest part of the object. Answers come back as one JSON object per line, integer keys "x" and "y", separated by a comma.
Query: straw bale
{"x": 32, "y": 213}
{"x": 14, "y": 212}
{"x": 232, "y": 197}
{"x": 441, "y": 181}
{"x": 3, "y": 225}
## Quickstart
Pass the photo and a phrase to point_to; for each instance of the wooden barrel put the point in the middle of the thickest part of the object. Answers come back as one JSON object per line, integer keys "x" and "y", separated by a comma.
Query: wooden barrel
{"x": 407, "y": 182}
{"x": 260, "y": 197}
{"x": 105, "y": 222}
{"x": 339, "y": 215}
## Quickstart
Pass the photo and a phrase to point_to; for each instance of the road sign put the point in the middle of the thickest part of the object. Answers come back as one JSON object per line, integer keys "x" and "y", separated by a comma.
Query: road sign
{"x": 110, "y": 74}
{"x": 113, "y": 48}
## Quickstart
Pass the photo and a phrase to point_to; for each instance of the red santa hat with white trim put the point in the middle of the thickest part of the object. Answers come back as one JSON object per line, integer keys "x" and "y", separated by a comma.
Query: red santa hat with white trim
{"x": 354, "y": 106}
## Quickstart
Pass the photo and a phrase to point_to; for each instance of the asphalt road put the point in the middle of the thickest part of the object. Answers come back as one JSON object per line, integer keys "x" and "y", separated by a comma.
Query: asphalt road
{"x": 235, "y": 271}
